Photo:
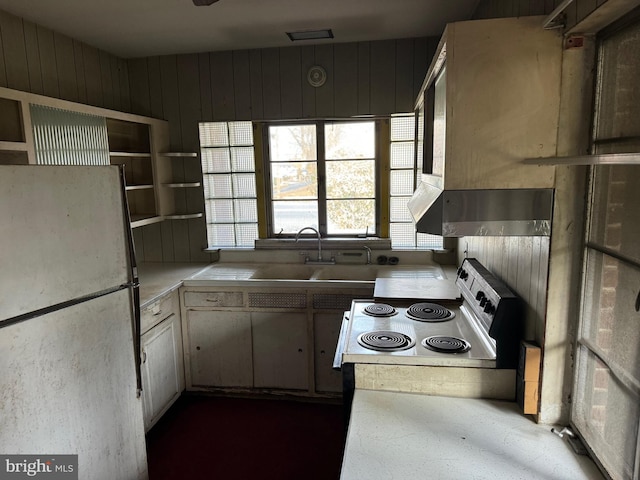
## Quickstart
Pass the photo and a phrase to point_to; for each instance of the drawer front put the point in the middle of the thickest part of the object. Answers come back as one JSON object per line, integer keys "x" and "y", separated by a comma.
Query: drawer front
{"x": 213, "y": 299}
{"x": 153, "y": 314}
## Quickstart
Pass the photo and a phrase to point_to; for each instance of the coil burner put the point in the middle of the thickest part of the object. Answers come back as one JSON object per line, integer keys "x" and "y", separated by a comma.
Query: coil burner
{"x": 444, "y": 344}
{"x": 429, "y": 312}
{"x": 385, "y": 341}
{"x": 379, "y": 310}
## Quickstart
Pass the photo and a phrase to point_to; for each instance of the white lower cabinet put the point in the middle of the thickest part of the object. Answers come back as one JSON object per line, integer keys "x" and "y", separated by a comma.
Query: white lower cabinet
{"x": 162, "y": 368}
{"x": 326, "y": 330}
{"x": 280, "y": 350}
{"x": 219, "y": 348}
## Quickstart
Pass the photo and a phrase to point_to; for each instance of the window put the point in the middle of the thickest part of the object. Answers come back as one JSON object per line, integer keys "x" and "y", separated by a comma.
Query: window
{"x": 229, "y": 179}
{"x": 323, "y": 175}
{"x": 606, "y": 404}
{"x": 405, "y": 171}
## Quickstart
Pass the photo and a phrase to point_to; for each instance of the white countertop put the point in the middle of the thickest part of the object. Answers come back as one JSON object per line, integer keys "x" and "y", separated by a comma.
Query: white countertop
{"x": 411, "y": 436}
{"x": 158, "y": 278}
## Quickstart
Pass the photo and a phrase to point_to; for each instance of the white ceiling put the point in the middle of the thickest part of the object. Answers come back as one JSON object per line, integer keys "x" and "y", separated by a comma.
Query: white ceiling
{"x": 140, "y": 28}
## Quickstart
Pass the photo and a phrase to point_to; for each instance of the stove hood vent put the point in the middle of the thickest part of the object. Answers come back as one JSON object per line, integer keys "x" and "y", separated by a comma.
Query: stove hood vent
{"x": 499, "y": 212}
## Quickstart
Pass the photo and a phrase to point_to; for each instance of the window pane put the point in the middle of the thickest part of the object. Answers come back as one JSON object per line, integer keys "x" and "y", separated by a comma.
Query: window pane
{"x": 246, "y": 233}
{"x": 289, "y": 217}
{"x": 350, "y": 216}
{"x": 245, "y": 210}
{"x": 399, "y": 211}
{"x": 214, "y": 134}
{"x": 240, "y": 133}
{"x": 292, "y": 142}
{"x": 403, "y": 128}
{"x": 351, "y": 179}
{"x": 221, "y": 235}
{"x": 607, "y": 414}
{"x": 401, "y": 182}
{"x": 610, "y": 322}
{"x": 215, "y": 160}
{"x": 242, "y": 159}
{"x": 350, "y": 140}
{"x": 219, "y": 211}
{"x": 294, "y": 180}
{"x": 218, "y": 186}
{"x": 402, "y": 155}
{"x": 244, "y": 185}
{"x": 403, "y": 235}
{"x": 614, "y": 224}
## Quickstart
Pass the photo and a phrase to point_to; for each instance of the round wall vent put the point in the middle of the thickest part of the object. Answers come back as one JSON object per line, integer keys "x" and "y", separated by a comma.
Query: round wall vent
{"x": 316, "y": 76}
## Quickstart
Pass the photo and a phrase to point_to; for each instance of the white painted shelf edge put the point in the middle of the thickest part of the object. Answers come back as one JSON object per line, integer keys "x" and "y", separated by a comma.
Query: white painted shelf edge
{"x": 139, "y": 187}
{"x": 179, "y": 154}
{"x": 130, "y": 154}
{"x": 183, "y": 216}
{"x": 182, "y": 185}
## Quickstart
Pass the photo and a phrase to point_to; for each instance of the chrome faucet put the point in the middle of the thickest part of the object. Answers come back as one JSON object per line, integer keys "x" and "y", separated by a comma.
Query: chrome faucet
{"x": 368, "y": 254}
{"x": 320, "y": 259}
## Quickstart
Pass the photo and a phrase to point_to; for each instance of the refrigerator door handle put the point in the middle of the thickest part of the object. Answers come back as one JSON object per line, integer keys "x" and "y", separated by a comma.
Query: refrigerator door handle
{"x": 134, "y": 282}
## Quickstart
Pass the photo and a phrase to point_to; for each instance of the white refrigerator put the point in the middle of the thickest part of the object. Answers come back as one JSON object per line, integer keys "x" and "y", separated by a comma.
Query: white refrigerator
{"x": 69, "y": 361}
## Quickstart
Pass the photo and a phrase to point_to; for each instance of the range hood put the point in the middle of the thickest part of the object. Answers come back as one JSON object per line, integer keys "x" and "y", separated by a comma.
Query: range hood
{"x": 459, "y": 213}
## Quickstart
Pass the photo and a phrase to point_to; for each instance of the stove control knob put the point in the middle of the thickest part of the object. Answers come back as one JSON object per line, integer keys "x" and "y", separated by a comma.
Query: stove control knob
{"x": 480, "y": 295}
{"x": 483, "y": 301}
{"x": 463, "y": 274}
{"x": 489, "y": 308}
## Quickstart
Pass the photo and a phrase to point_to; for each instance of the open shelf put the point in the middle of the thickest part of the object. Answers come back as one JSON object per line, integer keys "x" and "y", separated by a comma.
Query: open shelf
{"x": 184, "y": 216}
{"x": 182, "y": 185}
{"x": 179, "y": 154}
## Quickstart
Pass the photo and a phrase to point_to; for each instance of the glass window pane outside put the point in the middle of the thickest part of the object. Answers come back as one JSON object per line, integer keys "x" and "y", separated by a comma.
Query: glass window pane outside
{"x": 240, "y": 133}
{"x": 351, "y": 179}
{"x": 295, "y": 180}
{"x": 350, "y": 140}
{"x": 403, "y": 128}
{"x": 290, "y": 216}
{"x": 350, "y": 217}
{"x": 613, "y": 224}
{"x": 619, "y": 103}
{"x": 401, "y": 182}
{"x": 607, "y": 415}
{"x": 399, "y": 211}
{"x": 403, "y": 155}
{"x": 214, "y": 134}
{"x": 242, "y": 159}
{"x": 292, "y": 143}
{"x": 216, "y": 160}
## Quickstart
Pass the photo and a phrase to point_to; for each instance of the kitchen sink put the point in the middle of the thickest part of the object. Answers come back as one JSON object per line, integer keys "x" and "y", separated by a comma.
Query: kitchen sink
{"x": 356, "y": 273}
{"x": 288, "y": 271}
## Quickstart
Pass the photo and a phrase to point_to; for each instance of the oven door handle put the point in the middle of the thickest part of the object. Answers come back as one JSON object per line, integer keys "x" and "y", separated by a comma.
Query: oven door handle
{"x": 342, "y": 340}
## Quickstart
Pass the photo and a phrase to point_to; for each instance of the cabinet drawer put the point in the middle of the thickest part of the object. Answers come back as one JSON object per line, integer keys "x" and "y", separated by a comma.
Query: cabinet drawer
{"x": 213, "y": 299}
{"x": 156, "y": 312}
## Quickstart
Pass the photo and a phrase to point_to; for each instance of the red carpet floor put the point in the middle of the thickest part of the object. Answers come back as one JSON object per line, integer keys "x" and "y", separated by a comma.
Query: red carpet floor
{"x": 206, "y": 437}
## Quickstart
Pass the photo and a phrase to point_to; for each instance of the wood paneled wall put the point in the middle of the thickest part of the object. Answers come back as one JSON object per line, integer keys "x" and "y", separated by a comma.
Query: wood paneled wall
{"x": 378, "y": 78}
{"x": 38, "y": 60}
{"x": 523, "y": 264}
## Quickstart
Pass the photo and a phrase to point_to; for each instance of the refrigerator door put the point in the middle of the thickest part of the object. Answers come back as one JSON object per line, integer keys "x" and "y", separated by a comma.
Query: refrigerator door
{"x": 63, "y": 235}
{"x": 68, "y": 386}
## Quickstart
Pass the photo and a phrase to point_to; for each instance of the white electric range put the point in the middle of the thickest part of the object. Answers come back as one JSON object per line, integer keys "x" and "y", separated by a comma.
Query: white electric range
{"x": 396, "y": 344}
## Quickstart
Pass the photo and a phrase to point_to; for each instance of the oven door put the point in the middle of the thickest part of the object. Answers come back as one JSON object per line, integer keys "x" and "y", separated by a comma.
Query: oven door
{"x": 342, "y": 342}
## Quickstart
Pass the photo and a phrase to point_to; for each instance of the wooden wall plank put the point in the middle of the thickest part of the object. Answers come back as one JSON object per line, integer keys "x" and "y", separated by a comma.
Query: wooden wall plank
{"x": 171, "y": 100}
{"x": 383, "y": 78}
{"x": 421, "y": 57}
{"x": 325, "y": 93}
{"x": 257, "y": 95}
{"x": 115, "y": 82}
{"x": 152, "y": 238}
{"x": 364, "y": 78}
{"x": 15, "y": 54}
{"x": 222, "y": 85}
{"x": 140, "y": 90}
{"x": 166, "y": 229}
{"x": 271, "y": 83}
{"x": 290, "y": 82}
{"x": 81, "y": 82}
{"x": 106, "y": 80}
{"x": 123, "y": 79}
{"x": 190, "y": 104}
{"x": 48, "y": 62}
{"x": 33, "y": 57}
{"x": 3, "y": 69}
{"x": 345, "y": 57}
{"x": 93, "y": 75}
{"x": 156, "y": 103}
{"x": 66, "y": 67}
{"x": 204, "y": 73}
{"x": 242, "y": 84}
{"x": 405, "y": 99}
{"x": 307, "y": 60}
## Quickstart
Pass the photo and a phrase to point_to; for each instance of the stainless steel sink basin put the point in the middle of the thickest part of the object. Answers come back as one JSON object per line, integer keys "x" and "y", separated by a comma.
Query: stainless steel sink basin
{"x": 287, "y": 271}
{"x": 356, "y": 273}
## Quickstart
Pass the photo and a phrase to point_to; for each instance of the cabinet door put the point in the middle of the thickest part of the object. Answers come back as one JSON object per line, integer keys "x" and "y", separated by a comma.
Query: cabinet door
{"x": 326, "y": 329}
{"x": 162, "y": 371}
{"x": 219, "y": 346}
{"x": 280, "y": 350}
